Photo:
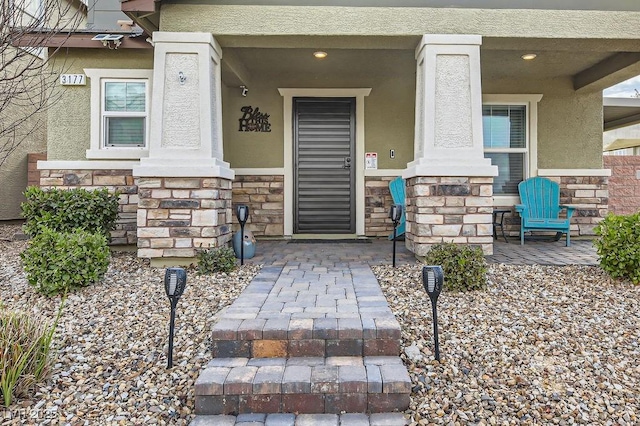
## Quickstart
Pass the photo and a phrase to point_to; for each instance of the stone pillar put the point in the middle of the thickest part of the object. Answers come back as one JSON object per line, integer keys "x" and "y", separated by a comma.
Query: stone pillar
{"x": 449, "y": 183}
{"x": 185, "y": 199}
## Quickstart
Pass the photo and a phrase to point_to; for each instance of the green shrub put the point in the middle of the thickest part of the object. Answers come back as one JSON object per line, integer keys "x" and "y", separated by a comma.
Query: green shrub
{"x": 64, "y": 210}
{"x": 56, "y": 262}
{"x": 211, "y": 260}
{"x": 464, "y": 267}
{"x": 618, "y": 246}
{"x": 25, "y": 359}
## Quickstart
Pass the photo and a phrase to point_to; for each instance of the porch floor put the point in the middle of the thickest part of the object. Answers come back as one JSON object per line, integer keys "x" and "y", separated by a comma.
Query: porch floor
{"x": 379, "y": 251}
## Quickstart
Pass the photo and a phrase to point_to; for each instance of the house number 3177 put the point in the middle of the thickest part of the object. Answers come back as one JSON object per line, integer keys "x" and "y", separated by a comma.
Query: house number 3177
{"x": 73, "y": 79}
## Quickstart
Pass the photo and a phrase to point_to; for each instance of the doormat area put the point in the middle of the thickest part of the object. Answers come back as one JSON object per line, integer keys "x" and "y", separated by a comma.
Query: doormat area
{"x": 312, "y": 241}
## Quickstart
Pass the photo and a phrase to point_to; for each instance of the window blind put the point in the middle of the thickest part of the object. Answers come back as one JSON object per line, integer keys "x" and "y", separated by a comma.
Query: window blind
{"x": 505, "y": 139}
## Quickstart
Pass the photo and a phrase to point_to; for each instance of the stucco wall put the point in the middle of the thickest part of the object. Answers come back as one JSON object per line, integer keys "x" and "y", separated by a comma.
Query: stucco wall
{"x": 69, "y": 116}
{"x": 389, "y": 109}
{"x": 569, "y": 122}
{"x": 13, "y": 174}
{"x": 252, "y": 149}
{"x": 265, "y": 20}
{"x": 29, "y": 138}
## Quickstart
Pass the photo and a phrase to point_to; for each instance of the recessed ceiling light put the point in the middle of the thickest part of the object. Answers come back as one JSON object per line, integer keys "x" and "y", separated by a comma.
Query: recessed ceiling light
{"x": 320, "y": 54}
{"x": 529, "y": 56}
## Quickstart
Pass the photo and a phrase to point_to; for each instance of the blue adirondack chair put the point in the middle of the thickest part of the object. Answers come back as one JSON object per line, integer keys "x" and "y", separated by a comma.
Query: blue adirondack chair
{"x": 540, "y": 207}
{"x": 396, "y": 187}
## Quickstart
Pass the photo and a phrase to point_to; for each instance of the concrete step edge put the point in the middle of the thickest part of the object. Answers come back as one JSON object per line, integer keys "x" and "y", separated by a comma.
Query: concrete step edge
{"x": 280, "y": 419}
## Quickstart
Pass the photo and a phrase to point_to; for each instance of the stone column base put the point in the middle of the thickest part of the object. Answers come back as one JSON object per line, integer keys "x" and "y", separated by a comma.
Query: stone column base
{"x": 176, "y": 216}
{"x": 449, "y": 209}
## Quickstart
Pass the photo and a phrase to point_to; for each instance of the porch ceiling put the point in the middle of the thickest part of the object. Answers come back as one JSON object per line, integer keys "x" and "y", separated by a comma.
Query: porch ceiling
{"x": 592, "y": 64}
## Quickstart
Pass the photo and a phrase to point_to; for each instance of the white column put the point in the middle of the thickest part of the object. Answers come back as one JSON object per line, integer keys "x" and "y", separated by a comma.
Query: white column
{"x": 186, "y": 109}
{"x": 448, "y": 128}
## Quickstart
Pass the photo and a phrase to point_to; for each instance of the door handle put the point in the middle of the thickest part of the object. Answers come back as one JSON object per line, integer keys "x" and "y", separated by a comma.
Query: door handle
{"x": 347, "y": 163}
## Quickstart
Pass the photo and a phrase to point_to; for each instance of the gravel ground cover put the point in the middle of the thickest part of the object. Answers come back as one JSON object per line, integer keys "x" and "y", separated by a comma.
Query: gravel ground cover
{"x": 542, "y": 345}
{"x": 111, "y": 342}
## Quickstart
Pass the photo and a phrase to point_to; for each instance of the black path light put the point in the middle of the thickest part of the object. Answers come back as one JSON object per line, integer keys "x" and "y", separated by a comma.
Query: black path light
{"x": 432, "y": 279}
{"x": 395, "y": 213}
{"x": 242, "y": 213}
{"x": 175, "y": 280}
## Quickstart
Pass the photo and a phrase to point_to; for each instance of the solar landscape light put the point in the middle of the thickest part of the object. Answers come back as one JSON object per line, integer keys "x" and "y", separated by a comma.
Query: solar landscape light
{"x": 175, "y": 281}
{"x": 432, "y": 279}
{"x": 242, "y": 213}
{"x": 395, "y": 213}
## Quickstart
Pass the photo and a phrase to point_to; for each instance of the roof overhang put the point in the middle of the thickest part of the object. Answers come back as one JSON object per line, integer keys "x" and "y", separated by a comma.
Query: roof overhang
{"x": 620, "y": 112}
{"x": 622, "y": 144}
{"x": 145, "y": 13}
{"x": 81, "y": 39}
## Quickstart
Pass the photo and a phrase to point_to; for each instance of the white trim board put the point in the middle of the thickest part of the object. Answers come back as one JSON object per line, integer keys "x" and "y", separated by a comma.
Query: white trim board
{"x": 288, "y": 94}
{"x": 383, "y": 172}
{"x": 574, "y": 172}
{"x": 249, "y": 171}
{"x": 86, "y": 165}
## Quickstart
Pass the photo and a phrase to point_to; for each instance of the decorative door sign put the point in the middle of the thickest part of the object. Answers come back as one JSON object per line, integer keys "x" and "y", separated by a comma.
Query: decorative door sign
{"x": 253, "y": 120}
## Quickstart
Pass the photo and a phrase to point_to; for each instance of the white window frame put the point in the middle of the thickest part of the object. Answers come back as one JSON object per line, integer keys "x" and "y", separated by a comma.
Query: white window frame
{"x": 530, "y": 101}
{"x": 98, "y": 77}
{"x": 123, "y": 114}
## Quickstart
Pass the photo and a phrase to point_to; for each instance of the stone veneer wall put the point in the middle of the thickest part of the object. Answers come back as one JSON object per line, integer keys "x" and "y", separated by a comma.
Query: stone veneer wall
{"x": 624, "y": 183}
{"x": 377, "y": 203}
{"x": 114, "y": 180}
{"x": 178, "y": 215}
{"x": 265, "y": 197}
{"x": 449, "y": 209}
{"x": 588, "y": 193}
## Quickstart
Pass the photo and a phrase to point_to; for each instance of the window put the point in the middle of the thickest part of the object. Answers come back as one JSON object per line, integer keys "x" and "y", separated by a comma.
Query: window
{"x": 124, "y": 113}
{"x": 505, "y": 138}
{"x": 120, "y": 105}
{"x": 27, "y": 13}
{"x": 510, "y": 127}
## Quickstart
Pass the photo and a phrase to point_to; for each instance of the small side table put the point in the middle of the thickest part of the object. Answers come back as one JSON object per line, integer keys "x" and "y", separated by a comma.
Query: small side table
{"x": 499, "y": 223}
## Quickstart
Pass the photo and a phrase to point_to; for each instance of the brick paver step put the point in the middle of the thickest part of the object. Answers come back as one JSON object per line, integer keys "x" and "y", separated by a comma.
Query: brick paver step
{"x": 347, "y": 419}
{"x": 309, "y": 385}
{"x": 306, "y": 310}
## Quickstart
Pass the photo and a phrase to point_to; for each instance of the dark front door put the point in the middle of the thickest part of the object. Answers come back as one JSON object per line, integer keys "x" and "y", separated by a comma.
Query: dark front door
{"x": 324, "y": 141}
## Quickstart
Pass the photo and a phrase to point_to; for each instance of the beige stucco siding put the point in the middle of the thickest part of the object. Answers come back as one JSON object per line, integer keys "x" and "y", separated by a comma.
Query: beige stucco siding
{"x": 292, "y": 20}
{"x": 389, "y": 109}
{"x": 13, "y": 172}
{"x": 569, "y": 125}
{"x": 569, "y": 122}
{"x": 29, "y": 138}
{"x": 252, "y": 149}
{"x": 69, "y": 116}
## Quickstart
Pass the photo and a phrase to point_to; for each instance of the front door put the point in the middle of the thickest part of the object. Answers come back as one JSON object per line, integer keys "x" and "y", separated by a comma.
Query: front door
{"x": 324, "y": 141}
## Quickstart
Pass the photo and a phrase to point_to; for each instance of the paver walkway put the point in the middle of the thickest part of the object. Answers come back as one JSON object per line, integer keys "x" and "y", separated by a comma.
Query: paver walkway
{"x": 312, "y": 333}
